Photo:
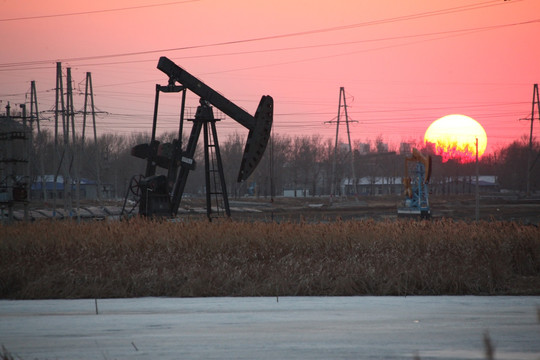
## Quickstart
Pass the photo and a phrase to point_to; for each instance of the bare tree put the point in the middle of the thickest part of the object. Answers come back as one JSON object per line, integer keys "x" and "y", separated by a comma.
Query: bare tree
{"x": 512, "y": 165}
{"x": 231, "y": 154}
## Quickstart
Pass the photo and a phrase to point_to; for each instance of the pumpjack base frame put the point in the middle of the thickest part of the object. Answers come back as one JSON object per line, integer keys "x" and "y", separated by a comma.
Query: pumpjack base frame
{"x": 414, "y": 213}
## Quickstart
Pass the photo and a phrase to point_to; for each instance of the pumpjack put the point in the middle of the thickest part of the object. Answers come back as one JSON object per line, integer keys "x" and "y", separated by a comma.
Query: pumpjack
{"x": 416, "y": 203}
{"x": 160, "y": 195}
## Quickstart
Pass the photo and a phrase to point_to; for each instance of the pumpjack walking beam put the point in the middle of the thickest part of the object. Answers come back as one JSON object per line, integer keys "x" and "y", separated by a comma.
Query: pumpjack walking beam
{"x": 259, "y": 125}
{"x": 259, "y": 130}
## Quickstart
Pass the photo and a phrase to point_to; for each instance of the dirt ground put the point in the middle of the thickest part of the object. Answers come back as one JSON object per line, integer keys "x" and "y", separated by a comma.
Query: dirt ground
{"x": 525, "y": 210}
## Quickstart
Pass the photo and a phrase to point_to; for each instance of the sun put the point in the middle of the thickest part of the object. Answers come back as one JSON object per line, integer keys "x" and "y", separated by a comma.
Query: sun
{"x": 454, "y": 137}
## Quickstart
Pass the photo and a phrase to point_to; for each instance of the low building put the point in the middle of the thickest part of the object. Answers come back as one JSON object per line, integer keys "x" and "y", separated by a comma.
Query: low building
{"x": 466, "y": 185}
{"x": 88, "y": 189}
{"x": 372, "y": 185}
{"x": 296, "y": 193}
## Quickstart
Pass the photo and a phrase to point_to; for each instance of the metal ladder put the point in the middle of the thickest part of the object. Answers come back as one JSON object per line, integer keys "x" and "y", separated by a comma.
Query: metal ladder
{"x": 217, "y": 202}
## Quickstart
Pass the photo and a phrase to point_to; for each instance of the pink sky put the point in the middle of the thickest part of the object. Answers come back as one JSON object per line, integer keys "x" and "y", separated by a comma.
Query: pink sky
{"x": 403, "y": 64}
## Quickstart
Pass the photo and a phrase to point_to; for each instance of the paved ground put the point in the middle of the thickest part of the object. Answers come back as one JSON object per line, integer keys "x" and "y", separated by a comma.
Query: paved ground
{"x": 271, "y": 328}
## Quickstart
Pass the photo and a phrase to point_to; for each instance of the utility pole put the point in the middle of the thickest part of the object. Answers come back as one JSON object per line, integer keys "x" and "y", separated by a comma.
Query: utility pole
{"x": 10, "y": 168}
{"x": 477, "y": 208}
{"x": 27, "y": 145}
{"x": 530, "y": 164}
{"x": 333, "y": 184}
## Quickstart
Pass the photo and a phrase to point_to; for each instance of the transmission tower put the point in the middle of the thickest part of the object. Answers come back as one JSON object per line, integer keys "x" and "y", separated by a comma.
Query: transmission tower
{"x": 530, "y": 162}
{"x": 89, "y": 92}
{"x": 69, "y": 157}
{"x": 34, "y": 116}
{"x": 59, "y": 109}
{"x": 342, "y": 104}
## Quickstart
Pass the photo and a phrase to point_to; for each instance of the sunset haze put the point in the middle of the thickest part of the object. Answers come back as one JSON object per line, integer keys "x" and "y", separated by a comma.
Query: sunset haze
{"x": 403, "y": 64}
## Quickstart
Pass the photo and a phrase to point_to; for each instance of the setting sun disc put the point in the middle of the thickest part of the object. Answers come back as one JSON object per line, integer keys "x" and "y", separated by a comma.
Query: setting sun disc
{"x": 454, "y": 137}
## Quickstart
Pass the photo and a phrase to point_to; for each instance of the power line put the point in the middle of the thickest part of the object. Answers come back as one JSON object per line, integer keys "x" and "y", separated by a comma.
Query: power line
{"x": 96, "y": 11}
{"x": 449, "y": 33}
{"x": 279, "y": 36}
{"x": 464, "y": 32}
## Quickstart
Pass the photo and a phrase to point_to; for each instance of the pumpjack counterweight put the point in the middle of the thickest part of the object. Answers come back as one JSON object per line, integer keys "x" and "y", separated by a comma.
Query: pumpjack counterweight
{"x": 161, "y": 195}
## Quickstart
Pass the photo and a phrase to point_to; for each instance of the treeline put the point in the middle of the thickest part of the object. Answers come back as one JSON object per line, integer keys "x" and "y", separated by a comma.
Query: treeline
{"x": 306, "y": 163}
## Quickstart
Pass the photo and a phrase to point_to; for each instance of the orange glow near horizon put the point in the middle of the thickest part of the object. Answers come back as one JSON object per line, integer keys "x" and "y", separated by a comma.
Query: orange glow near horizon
{"x": 454, "y": 137}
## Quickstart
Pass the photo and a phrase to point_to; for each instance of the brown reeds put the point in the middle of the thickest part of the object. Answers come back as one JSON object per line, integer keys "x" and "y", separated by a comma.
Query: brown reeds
{"x": 196, "y": 258}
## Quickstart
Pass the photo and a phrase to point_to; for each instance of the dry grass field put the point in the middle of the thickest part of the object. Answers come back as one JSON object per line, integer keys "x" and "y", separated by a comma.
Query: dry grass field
{"x": 104, "y": 259}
